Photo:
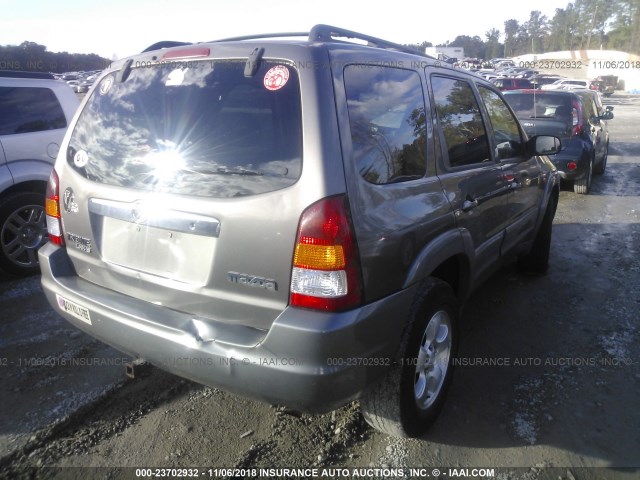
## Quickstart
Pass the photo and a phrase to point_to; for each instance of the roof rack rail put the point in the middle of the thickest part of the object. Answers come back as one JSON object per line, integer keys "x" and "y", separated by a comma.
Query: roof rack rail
{"x": 327, "y": 33}
{"x": 164, "y": 44}
{"x": 22, "y": 74}
{"x": 263, "y": 35}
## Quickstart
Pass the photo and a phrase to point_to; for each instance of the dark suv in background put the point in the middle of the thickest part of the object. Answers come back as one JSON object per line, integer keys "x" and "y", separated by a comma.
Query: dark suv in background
{"x": 35, "y": 110}
{"x": 579, "y": 119}
{"x": 298, "y": 220}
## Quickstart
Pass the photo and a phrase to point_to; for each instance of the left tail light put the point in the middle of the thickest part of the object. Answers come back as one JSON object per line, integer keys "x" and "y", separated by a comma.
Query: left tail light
{"x": 52, "y": 210}
{"x": 576, "y": 112}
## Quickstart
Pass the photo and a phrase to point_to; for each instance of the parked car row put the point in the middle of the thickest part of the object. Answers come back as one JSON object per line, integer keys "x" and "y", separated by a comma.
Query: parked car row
{"x": 567, "y": 84}
{"x": 574, "y": 113}
{"x": 506, "y": 76}
{"x": 578, "y": 118}
{"x": 80, "y": 82}
{"x": 509, "y": 77}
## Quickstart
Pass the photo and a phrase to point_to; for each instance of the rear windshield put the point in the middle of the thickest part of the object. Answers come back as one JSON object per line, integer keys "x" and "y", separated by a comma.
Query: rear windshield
{"x": 535, "y": 105}
{"x": 200, "y": 130}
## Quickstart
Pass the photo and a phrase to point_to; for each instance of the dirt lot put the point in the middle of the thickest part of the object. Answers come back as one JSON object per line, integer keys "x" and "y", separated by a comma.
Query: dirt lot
{"x": 548, "y": 383}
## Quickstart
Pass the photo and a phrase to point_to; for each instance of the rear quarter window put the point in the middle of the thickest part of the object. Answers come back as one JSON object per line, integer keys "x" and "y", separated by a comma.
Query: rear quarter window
{"x": 387, "y": 120}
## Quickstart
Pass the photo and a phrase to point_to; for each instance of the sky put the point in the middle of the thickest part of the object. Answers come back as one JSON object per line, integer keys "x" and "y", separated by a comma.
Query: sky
{"x": 119, "y": 28}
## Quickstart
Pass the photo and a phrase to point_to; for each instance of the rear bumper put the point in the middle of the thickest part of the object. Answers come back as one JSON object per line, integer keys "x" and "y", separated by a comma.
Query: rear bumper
{"x": 579, "y": 154}
{"x": 310, "y": 361}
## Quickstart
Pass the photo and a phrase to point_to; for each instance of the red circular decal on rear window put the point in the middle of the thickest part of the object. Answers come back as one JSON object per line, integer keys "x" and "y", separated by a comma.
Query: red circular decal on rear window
{"x": 276, "y": 78}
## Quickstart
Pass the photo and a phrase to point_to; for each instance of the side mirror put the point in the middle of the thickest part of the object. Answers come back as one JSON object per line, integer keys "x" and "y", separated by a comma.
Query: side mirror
{"x": 608, "y": 108}
{"x": 608, "y": 115}
{"x": 544, "y": 145}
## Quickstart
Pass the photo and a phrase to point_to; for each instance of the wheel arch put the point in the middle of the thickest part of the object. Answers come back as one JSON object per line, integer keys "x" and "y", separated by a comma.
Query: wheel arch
{"x": 33, "y": 186}
{"x": 449, "y": 258}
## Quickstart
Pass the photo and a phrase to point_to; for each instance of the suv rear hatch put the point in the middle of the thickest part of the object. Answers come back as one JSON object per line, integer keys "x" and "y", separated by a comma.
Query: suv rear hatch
{"x": 177, "y": 197}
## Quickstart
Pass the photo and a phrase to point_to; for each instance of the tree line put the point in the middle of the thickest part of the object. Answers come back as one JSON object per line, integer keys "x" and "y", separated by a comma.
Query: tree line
{"x": 32, "y": 57}
{"x": 581, "y": 25}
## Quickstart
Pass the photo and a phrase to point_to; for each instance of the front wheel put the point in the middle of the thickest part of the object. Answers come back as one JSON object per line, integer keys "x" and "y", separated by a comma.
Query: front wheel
{"x": 409, "y": 398}
{"x": 601, "y": 167}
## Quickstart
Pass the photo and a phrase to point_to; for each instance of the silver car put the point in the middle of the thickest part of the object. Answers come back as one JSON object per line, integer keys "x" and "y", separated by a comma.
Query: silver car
{"x": 297, "y": 220}
{"x": 35, "y": 110}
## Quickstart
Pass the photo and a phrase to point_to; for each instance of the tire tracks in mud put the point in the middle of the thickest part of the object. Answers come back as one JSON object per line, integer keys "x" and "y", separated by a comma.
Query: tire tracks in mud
{"x": 291, "y": 438}
{"x": 117, "y": 409}
{"x": 302, "y": 440}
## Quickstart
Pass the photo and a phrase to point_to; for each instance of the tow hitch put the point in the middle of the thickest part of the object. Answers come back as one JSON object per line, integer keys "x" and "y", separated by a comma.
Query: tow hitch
{"x": 137, "y": 368}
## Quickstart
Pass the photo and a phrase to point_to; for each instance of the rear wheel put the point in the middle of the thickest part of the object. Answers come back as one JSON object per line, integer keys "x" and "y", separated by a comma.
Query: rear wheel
{"x": 583, "y": 185}
{"x": 22, "y": 232}
{"x": 408, "y": 399}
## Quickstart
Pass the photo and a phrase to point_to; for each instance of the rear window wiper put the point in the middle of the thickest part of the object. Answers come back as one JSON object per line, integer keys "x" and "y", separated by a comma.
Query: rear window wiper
{"x": 220, "y": 170}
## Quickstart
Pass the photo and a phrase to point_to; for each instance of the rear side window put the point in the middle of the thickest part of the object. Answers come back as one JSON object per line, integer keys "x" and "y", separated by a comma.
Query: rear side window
{"x": 460, "y": 121}
{"x": 29, "y": 109}
{"x": 387, "y": 119}
{"x": 203, "y": 130}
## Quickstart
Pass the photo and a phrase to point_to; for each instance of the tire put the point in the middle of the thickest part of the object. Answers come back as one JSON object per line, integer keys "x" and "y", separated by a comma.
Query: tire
{"x": 601, "y": 167}
{"x": 536, "y": 262}
{"x": 410, "y": 396}
{"x": 583, "y": 185}
{"x": 22, "y": 232}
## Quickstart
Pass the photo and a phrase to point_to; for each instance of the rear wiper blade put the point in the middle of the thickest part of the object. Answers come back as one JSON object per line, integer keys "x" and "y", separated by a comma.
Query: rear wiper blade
{"x": 227, "y": 171}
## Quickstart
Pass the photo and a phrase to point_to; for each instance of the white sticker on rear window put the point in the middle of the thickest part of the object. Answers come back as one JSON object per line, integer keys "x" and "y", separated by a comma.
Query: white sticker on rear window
{"x": 81, "y": 158}
{"x": 276, "y": 78}
{"x": 106, "y": 85}
{"x": 176, "y": 77}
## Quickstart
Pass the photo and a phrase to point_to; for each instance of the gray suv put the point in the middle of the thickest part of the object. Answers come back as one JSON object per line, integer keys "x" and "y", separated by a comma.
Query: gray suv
{"x": 35, "y": 110}
{"x": 295, "y": 220}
